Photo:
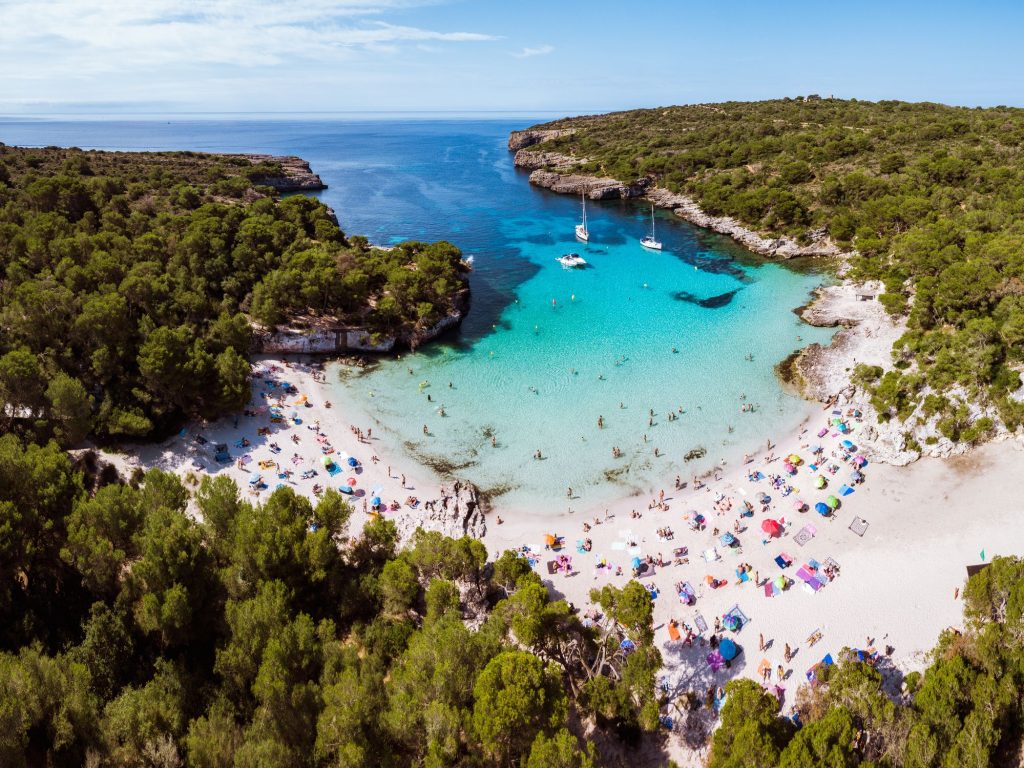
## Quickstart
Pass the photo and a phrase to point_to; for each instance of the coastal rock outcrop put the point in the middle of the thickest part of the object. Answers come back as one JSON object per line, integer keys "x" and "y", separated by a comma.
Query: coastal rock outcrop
{"x": 595, "y": 187}
{"x": 520, "y": 139}
{"x": 297, "y": 175}
{"x": 463, "y": 515}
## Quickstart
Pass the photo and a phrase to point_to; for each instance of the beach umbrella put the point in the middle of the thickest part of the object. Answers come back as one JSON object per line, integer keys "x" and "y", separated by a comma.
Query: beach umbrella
{"x": 635, "y": 562}
{"x": 848, "y": 445}
{"x": 763, "y": 497}
{"x": 375, "y": 501}
{"x": 351, "y": 481}
{"x": 550, "y": 540}
{"x": 728, "y": 649}
{"x": 326, "y": 460}
{"x": 821, "y": 508}
{"x": 780, "y": 581}
{"x": 845, "y": 490}
{"x": 254, "y": 479}
{"x": 820, "y": 483}
{"x": 346, "y": 489}
{"x": 816, "y": 449}
{"x": 727, "y": 539}
{"x": 832, "y": 501}
{"x": 860, "y": 461}
{"x": 771, "y": 527}
{"x": 836, "y": 422}
{"x": 352, "y": 461}
{"x": 855, "y": 476}
{"x": 794, "y": 459}
{"x": 799, "y": 505}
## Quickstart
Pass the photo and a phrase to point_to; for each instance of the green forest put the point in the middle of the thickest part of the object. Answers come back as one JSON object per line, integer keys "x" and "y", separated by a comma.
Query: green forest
{"x": 130, "y": 284}
{"x": 265, "y": 635}
{"x": 929, "y": 197}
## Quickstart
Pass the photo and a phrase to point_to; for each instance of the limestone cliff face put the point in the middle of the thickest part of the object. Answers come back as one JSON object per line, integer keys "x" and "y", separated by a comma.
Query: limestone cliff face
{"x": 519, "y": 139}
{"x": 297, "y": 176}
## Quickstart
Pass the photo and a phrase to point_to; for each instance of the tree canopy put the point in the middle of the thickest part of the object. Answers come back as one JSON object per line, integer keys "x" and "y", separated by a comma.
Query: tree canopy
{"x": 130, "y": 284}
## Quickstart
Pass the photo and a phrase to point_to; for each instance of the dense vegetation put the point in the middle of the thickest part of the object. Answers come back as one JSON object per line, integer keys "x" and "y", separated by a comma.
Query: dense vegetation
{"x": 965, "y": 711}
{"x": 132, "y": 635}
{"x": 930, "y": 197}
{"x": 129, "y": 284}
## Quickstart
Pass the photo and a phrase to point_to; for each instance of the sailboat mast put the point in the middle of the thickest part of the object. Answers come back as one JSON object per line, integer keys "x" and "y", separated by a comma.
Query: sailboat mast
{"x": 583, "y": 200}
{"x": 652, "y": 222}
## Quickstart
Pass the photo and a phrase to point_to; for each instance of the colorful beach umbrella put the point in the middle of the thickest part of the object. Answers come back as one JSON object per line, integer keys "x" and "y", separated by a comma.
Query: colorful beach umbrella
{"x": 799, "y": 505}
{"x": 254, "y": 479}
{"x": 351, "y": 481}
{"x": 848, "y": 445}
{"x": 779, "y": 581}
{"x": 795, "y": 459}
{"x": 345, "y": 489}
{"x": 352, "y": 461}
{"x": 821, "y": 482}
{"x": 771, "y": 527}
{"x": 821, "y": 508}
{"x": 375, "y": 501}
{"x": 832, "y": 501}
{"x": 728, "y": 649}
{"x": 326, "y": 460}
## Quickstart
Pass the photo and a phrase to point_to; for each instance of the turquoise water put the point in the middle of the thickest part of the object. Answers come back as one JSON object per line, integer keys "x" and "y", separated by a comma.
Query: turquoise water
{"x": 532, "y": 375}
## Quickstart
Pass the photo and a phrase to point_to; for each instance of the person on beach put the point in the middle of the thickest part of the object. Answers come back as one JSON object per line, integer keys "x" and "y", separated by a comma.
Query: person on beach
{"x": 760, "y": 642}
{"x": 788, "y": 655}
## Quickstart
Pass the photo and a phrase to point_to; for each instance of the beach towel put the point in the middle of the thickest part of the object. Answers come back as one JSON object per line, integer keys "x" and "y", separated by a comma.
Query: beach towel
{"x": 830, "y": 563}
{"x": 803, "y": 574}
{"x": 769, "y": 589}
{"x": 803, "y": 536}
{"x": 781, "y": 561}
{"x": 859, "y": 526}
{"x": 673, "y": 632}
{"x": 702, "y": 626}
{"x": 823, "y": 432}
{"x": 711, "y": 555}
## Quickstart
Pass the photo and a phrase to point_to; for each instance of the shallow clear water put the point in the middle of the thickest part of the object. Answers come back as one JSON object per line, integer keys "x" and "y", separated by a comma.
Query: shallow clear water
{"x": 545, "y": 351}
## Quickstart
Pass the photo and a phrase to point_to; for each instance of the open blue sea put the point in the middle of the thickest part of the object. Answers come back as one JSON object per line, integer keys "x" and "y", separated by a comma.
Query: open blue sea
{"x": 545, "y": 352}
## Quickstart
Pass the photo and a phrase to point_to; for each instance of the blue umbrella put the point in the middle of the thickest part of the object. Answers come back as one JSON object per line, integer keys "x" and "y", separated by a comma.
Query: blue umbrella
{"x": 254, "y": 478}
{"x": 352, "y": 461}
{"x": 728, "y": 649}
{"x": 346, "y": 489}
{"x": 848, "y": 445}
{"x": 375, "y": 501}
{"x": 822, "y": 508}
{"x": 636, "y": 562}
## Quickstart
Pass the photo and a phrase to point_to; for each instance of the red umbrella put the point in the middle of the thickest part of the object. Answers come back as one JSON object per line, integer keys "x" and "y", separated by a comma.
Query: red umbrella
{"x": 771, "y": 527}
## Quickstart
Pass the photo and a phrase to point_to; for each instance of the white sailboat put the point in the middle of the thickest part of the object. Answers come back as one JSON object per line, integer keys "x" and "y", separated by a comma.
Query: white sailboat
{"x": 581, "y": 228}
{"x": 649, "y": 241}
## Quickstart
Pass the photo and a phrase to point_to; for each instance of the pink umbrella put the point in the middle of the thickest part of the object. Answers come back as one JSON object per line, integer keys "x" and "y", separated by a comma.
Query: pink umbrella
{"x": 771, "y": 527}
{"x": 351, "y": 481}
{"x": 798, "y": 505}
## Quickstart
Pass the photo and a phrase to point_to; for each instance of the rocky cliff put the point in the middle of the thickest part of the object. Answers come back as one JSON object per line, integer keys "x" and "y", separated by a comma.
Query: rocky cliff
{"x": 520, "y": 139}
{"x": 297, "y": 175}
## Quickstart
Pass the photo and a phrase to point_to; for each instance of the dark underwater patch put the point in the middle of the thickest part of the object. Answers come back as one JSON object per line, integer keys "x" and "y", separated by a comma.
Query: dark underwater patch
{"x": 712, "y": 302}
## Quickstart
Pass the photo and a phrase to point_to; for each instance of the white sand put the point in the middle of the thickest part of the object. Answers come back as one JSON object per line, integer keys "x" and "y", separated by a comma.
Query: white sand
{"x": 926, "y": 522}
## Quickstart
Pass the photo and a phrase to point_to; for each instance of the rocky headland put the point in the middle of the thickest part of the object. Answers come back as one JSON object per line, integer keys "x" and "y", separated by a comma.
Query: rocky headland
{"x": 296, "y": 176}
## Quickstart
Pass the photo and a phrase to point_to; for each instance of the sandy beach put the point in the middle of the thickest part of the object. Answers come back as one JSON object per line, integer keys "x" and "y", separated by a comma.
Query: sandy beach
{"x": 888, "y": 585}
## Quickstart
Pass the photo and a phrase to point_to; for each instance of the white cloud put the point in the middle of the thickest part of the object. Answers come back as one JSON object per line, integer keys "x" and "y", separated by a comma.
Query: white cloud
{"x": 541, "y": 50}
{"x": 75, "y": 39}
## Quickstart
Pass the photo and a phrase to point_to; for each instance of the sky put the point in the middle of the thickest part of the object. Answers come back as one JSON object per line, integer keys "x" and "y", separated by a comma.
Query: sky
{"x": 564, "y": 56}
